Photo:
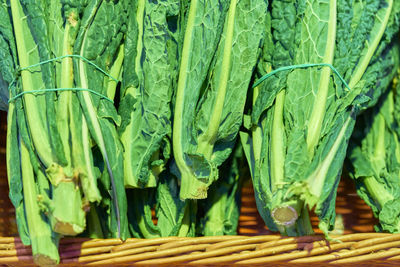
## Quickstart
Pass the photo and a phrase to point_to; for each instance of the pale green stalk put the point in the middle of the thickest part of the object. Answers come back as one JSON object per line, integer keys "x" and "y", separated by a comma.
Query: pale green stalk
{"x": 186, "y": 173}
{"x": 115, "y": 72}
{"x": 317, "y": 116}
{"x": 28, "y": 55}
{"x": 316, "y": 180}
{"x": 44, "y": 248}
{"x": 373, "y": 44}
{"x": 257, "y": 132}
{"x": 277, "y": 143}
{"x": 207, "y": 139}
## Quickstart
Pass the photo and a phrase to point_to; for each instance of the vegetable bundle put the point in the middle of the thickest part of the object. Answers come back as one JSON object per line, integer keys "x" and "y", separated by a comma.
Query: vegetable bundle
{"x": 131, "y": 111}
{"x": 374, "y": 154}
{"x": 302, "y": 119}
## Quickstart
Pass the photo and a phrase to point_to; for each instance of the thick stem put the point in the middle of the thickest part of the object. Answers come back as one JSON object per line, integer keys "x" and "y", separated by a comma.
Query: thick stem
{"x": 277, "y": 143}
{"x": 44, "y": 247}
{"x": 69, "y": 215}
{"x": 64, "y": 99}
{"x": 377, "y": 191}
{"x": 319, "y": 108}
{"x": 315, "y": 181}
{"x": 257, "y": 132}
{"x": 287, "y": 213}
{"x": 191, "y": 187}
{"x": 207, "y": 139}
{"x": 33, "y": 104}
{"x": 372, "y": 45}
{"x": 115, "y": 72}
{"x": 97, "y": 132}
{"x": 71, "y": 220}
{"x": 82, "y": 153}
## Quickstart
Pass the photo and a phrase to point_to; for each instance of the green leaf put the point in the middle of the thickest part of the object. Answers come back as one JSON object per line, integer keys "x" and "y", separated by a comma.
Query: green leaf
{"x": 170, "y": 209}
{"x": 145, "y": 107}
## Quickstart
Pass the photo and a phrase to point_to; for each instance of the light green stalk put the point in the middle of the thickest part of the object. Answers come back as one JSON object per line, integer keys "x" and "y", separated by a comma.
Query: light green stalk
{"x": 44, "y": 248}
{"x": 315, "y": 181}
{"x": 277, "y": 143}
{"x": 66, "y": 81}
{"x": 319, "y": 109}
{"x": 69, "y": 221}
{"x": 378, "y": 192}
{"x": 185, "y": 227}
{"x": 115, "y": 72}
{"x": 28, "y": 55}
{"x": 373, "y": 44}
{"x": 186, "y": 173}
{"x": 376, "y": 189}
{"x": 90, "y": 106}
{"x": 257, "y": 132}
{"x": 97, "y": 130}
{"x": 207, "y": 139}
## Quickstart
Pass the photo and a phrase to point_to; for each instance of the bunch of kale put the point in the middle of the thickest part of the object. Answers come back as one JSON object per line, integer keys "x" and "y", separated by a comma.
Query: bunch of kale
{"x": 131, "y": 110}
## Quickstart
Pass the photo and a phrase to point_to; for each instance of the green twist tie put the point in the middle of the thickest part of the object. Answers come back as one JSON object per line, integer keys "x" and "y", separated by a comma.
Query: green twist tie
{"x": 302, "y": 66}
{"x": 62, "y": 89}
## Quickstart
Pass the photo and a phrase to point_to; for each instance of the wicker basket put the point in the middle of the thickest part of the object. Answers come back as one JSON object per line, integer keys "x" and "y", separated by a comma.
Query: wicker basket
{"x": 254, "y": 244}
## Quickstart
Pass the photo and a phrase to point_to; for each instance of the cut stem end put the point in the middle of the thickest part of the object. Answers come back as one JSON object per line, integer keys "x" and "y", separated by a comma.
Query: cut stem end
{"x": 286, "y": 215}
{"x": 67, "y": 228}
{"x": 44, "y": 260}
{"x": 193, "y": 188}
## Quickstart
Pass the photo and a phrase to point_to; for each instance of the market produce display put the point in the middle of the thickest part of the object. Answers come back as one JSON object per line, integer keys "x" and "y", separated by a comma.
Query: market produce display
{"x": 144, "y": 118}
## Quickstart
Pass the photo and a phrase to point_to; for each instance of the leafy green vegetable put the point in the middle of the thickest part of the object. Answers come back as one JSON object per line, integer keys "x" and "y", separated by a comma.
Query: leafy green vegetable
{"x": 301, "y": 120}
{"x": 208, "y": 113}
{"x": 61, "y": 129}
{"x": 96, "y": 90}
{"x": 7, "y": 70}
{"x": 375, "y": 157}
{"x": 145, "y": 105}
{"x": 42, "y": 127}
{"x": 44, "y": 243}
{"x": 64, "y": 142}
{"x": 99, "y": 40}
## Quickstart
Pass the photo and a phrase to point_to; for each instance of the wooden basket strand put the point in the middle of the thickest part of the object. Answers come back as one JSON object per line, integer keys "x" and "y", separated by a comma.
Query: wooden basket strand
{"x": 351, "y": 248}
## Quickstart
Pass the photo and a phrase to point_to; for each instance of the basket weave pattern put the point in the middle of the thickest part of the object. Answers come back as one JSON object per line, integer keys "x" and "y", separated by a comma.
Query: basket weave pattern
{"x": 254, "y": 244}
{"x": 247, "y": 250}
